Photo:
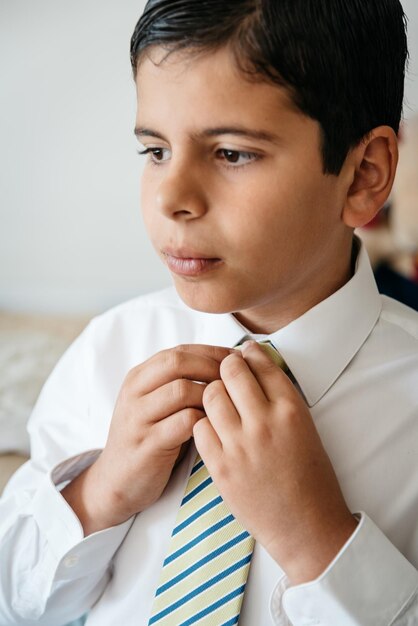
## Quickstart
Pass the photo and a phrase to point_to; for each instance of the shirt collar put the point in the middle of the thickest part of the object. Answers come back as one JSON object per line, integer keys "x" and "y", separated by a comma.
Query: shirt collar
{"x": 319, "y": 345}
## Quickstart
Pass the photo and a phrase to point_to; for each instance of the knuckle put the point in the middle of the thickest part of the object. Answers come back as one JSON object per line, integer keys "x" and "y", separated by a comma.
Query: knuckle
{"x": 231, "y": 366}
{"x": 221, "y": 470}
{"x": 180, "y": 389}
{"x": 132, "y": 381}
{"x": 198, "y": 425}
{"x": 288, "y": 410}
{"x": 177, "y": 358}
{"x": 145, "y": 437}
{"x": 212, "y": 391}
{"x": 131, "y": 377}
{"x": 268, "y": 366}
{"x": 125, "y": 394}
{"x": 218, "y": 353}
{"x": 190, "y": 417}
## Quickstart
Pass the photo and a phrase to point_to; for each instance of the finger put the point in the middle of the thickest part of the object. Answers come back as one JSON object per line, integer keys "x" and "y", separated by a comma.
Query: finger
{"x": 170, "y": 398}
{"x": 242, "y": 386}
{"x": 195, "y": 362}
{"x": 270, "y": 377}
{"x": 220, "y": 411}
{"x": 173, "y": 431}
{"x": 207, "y": 442}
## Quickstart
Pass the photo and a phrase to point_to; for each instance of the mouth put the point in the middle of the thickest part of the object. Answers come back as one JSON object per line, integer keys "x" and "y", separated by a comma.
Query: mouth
{"x": 189, "y": 263}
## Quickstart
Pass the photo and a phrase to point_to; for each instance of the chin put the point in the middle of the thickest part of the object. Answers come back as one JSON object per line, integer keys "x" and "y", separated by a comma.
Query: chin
{"x": 205, "y": 300}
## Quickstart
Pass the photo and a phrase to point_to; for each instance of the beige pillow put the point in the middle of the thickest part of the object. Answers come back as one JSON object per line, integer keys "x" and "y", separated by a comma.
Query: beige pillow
{"x": 29, "y": 348}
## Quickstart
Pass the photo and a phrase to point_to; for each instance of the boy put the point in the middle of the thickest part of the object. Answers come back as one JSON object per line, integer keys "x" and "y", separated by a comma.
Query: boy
{"x": 270, "y": 133}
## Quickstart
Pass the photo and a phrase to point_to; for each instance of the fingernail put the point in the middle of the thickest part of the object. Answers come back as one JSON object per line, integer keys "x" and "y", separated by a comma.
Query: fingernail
{"x": 247, "y": 345}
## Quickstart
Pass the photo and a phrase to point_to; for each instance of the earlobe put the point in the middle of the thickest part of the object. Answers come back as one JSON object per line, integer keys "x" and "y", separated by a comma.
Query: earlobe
{"x": 373, "y": 163}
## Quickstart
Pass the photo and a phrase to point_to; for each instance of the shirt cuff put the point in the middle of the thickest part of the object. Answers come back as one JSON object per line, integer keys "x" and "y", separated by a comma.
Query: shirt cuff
{"x": 369, "y": 582}
{"x": 60, "y": 525}
{"x": 64, "y": 554}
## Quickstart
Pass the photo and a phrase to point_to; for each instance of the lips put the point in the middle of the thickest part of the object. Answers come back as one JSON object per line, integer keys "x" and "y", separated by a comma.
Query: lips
{"x": 189, "y": 263}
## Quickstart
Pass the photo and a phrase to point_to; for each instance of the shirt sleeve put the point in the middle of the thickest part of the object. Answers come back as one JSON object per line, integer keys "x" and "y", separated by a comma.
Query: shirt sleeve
{"x": 49, "y": 573}
{"x": 369, "y": 583}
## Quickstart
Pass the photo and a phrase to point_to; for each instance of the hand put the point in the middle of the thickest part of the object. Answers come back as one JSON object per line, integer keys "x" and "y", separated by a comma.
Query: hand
{"x": 158, "y": 405}
{"x": 265, "y": 456}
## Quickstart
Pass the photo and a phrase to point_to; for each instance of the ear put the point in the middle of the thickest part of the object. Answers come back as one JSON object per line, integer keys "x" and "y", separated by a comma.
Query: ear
{"x": 373, "y": 166}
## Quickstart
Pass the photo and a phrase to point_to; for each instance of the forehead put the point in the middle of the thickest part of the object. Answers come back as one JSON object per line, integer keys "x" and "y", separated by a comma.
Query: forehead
{"x": 205, "y": 85}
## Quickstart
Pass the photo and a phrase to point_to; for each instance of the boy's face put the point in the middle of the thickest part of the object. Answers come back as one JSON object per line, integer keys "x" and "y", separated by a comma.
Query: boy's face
{"x": 233, "y": 195}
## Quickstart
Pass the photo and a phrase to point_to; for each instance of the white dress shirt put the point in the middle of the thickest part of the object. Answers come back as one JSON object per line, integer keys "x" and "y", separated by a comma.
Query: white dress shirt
{"x": 355, "y": 359}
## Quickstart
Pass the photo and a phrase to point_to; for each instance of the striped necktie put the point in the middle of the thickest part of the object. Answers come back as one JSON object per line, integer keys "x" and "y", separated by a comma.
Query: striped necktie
{"x": 205, "y": 572}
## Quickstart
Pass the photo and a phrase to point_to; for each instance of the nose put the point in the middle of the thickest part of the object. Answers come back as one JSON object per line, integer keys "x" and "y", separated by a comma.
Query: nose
{"x": 181, "y": 194}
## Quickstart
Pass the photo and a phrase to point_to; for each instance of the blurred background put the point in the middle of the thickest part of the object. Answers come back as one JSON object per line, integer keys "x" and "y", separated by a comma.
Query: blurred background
{"x": 71, "y": 239}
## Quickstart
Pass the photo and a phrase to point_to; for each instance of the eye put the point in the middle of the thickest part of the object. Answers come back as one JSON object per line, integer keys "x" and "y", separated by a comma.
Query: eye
{"x": 157, "y": 155}
{"x": 236, "y": 158}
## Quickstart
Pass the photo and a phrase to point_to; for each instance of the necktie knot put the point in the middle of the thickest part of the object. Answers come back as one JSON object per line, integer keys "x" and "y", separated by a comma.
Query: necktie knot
{"x": 271, "y": 351}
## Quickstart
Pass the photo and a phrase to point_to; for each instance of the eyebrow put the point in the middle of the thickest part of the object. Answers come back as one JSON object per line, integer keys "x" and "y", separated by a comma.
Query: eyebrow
{"x": 239, "y": 131}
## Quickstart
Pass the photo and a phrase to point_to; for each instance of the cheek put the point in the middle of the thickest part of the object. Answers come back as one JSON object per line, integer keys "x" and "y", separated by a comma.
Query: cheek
{"x": 280, "y": 227}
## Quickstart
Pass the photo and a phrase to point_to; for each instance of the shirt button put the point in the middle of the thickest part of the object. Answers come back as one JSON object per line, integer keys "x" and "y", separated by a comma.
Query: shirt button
{"x": 72, "y": 560}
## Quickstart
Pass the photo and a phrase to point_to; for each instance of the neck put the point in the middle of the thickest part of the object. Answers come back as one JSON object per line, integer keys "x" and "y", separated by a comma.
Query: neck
{"x": 296, "y": 300}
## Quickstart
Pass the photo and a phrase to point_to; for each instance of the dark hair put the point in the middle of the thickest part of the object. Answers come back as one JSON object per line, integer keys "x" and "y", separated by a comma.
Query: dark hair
{"x": 343, "y": 61}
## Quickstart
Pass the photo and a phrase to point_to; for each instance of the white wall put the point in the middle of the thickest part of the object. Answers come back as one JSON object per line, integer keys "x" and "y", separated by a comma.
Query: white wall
{"x": 71, "y": 238}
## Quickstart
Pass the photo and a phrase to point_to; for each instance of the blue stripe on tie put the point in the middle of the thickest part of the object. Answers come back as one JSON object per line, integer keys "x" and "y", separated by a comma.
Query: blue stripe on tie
{"x": 196, "y": 468}
{"x": 200, "y": 589}
{"x": 196, "y": 490}
{"x": 209, "y": 557}
{"x": 232, "y": 621}
{"x": 214, "y": 606}
{"x": 223, "y": 522}
{"x": 210, "y": 505}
